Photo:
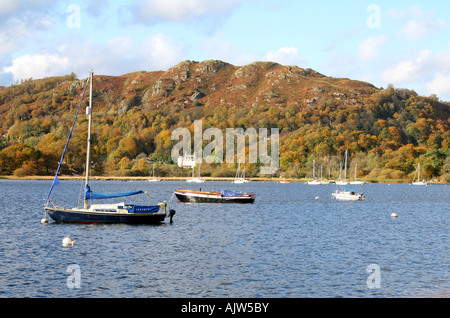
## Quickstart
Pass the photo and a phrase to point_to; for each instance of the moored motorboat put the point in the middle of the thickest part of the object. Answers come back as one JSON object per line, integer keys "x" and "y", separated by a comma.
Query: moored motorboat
{"x": 219, "y": 196}
{"x": 348, "y": 195}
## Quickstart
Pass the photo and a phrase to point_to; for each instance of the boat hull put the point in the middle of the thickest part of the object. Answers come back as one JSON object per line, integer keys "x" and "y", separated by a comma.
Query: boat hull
{"x": 207, "y": 198}
{"x": 85, "y": 216}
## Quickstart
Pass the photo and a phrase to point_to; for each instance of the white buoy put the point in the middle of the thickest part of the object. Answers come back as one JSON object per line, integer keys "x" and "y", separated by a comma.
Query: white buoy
{"x": 394, "y": 214}
{"x": 44, "y": 220}
{"x": 67, "y": 241}
{"x": 317, "y": 198}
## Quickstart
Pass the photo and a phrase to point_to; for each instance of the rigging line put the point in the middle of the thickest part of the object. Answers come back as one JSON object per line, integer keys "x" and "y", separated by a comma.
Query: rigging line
{"x": 55, "y": 180}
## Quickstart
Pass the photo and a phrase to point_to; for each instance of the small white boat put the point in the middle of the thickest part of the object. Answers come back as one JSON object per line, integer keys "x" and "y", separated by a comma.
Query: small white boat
{"x": 196, "y": 180}
{"x": 348, "y": 195}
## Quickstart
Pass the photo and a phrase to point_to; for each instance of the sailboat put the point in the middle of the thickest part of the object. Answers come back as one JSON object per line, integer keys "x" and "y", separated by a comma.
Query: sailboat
{"x": 197, "y": 179}
{"x": 418, "y": 182}
{"x": 340, "y": 181}
{"x": 356, "y": 181}
{"x": 101, "y": 213}
{"x": 240, "y": 177}
{"x": 344, "y": 193}
{"x": 153, "y": 179}
{"x": 314, "y": 181}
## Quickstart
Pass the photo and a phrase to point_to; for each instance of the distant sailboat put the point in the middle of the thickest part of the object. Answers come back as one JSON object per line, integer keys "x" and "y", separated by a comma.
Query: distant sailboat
{"x": 356, "y": 181}
{"x": 315, "y": 181}
{"x": 153, "y": 179}
{"x": 343, "y": 182}
{"x": 197, "y": 179}
{"x": 240, "y": 177}
{"x": 418, "y": 182}
{"x": 344, "y": 193}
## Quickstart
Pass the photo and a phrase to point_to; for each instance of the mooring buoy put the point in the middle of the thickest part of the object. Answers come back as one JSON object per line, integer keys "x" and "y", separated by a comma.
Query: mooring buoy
{"x": 67, "y": 241}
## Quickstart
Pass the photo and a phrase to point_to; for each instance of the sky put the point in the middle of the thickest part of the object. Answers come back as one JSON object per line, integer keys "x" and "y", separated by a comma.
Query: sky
{"x": 403, "y": 43}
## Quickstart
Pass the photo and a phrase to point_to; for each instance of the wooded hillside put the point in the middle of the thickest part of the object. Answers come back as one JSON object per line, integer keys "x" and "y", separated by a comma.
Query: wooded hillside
{"x": 387, "y": 131}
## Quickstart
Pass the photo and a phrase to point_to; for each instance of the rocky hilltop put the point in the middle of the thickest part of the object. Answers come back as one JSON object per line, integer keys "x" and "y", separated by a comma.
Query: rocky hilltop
{"x": 214, "y": 82}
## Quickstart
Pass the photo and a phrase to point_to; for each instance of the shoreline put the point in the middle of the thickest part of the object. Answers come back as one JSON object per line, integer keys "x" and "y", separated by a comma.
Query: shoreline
{"x": 145, "y": 178}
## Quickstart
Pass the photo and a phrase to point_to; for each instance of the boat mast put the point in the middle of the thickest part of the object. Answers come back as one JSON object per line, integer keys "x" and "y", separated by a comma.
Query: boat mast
{"x": 314, "y": 169}
{"x": 418, "y": 173}
{"x": 88, "y": 148}
{"x": 345, "y": 171}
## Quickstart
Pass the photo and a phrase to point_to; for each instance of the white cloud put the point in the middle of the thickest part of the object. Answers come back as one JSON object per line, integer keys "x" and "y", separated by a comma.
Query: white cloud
{"x": 369, "y": 48}
{"x": 427, "y": 70}
{"x": 286, "y": 56}
{"x": 182, "y": 10}
{"x": 416, "y": 29}
{"x": 117, "y": 56}
{"x": 158, "y": 51}
{"x": 420, "y": 23}
{"x": 407, "y": 70}
{"x": 440, "y": 85}
{"x": 8, "y": 6}
{"x": 37, "y": 66}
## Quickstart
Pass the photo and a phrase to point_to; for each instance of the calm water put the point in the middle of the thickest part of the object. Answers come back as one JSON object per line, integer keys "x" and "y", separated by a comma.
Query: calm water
{"x": 287, "y": 244}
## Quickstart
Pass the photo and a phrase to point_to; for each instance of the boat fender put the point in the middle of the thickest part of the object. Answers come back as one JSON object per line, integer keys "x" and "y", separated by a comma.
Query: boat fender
{"x": 171, "y": 214}
{"x": 67, "y": 241}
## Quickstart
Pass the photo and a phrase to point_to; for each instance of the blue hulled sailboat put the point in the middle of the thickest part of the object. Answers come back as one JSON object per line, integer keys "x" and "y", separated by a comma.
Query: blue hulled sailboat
{"x": 102, "y": 213}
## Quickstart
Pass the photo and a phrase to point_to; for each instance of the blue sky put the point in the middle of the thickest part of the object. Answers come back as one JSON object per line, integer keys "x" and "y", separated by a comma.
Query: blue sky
{"x": 404, "y": 43}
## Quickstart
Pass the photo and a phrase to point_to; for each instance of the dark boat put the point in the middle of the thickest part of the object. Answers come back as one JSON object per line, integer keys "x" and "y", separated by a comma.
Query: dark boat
{"x": 111, "y": 213}
{"x": 220, "y": 196}
{"x": 102, "y": 213}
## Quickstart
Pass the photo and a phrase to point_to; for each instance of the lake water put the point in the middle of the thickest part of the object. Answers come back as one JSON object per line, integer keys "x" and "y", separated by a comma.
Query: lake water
{"x": 288, "y": 244}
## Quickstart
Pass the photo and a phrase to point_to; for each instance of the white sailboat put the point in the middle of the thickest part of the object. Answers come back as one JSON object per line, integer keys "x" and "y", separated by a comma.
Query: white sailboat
{"x": 153, "y": 179}
{"x": 197, "y": 179}
{"x": 356, "y": 181}
{"x": 345, "y": 194}
{"x": 340, "y": 181}
{"x": 314, "y": 181}
{"x": 418, "y": 182}
{"x": 240, "y": 177}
